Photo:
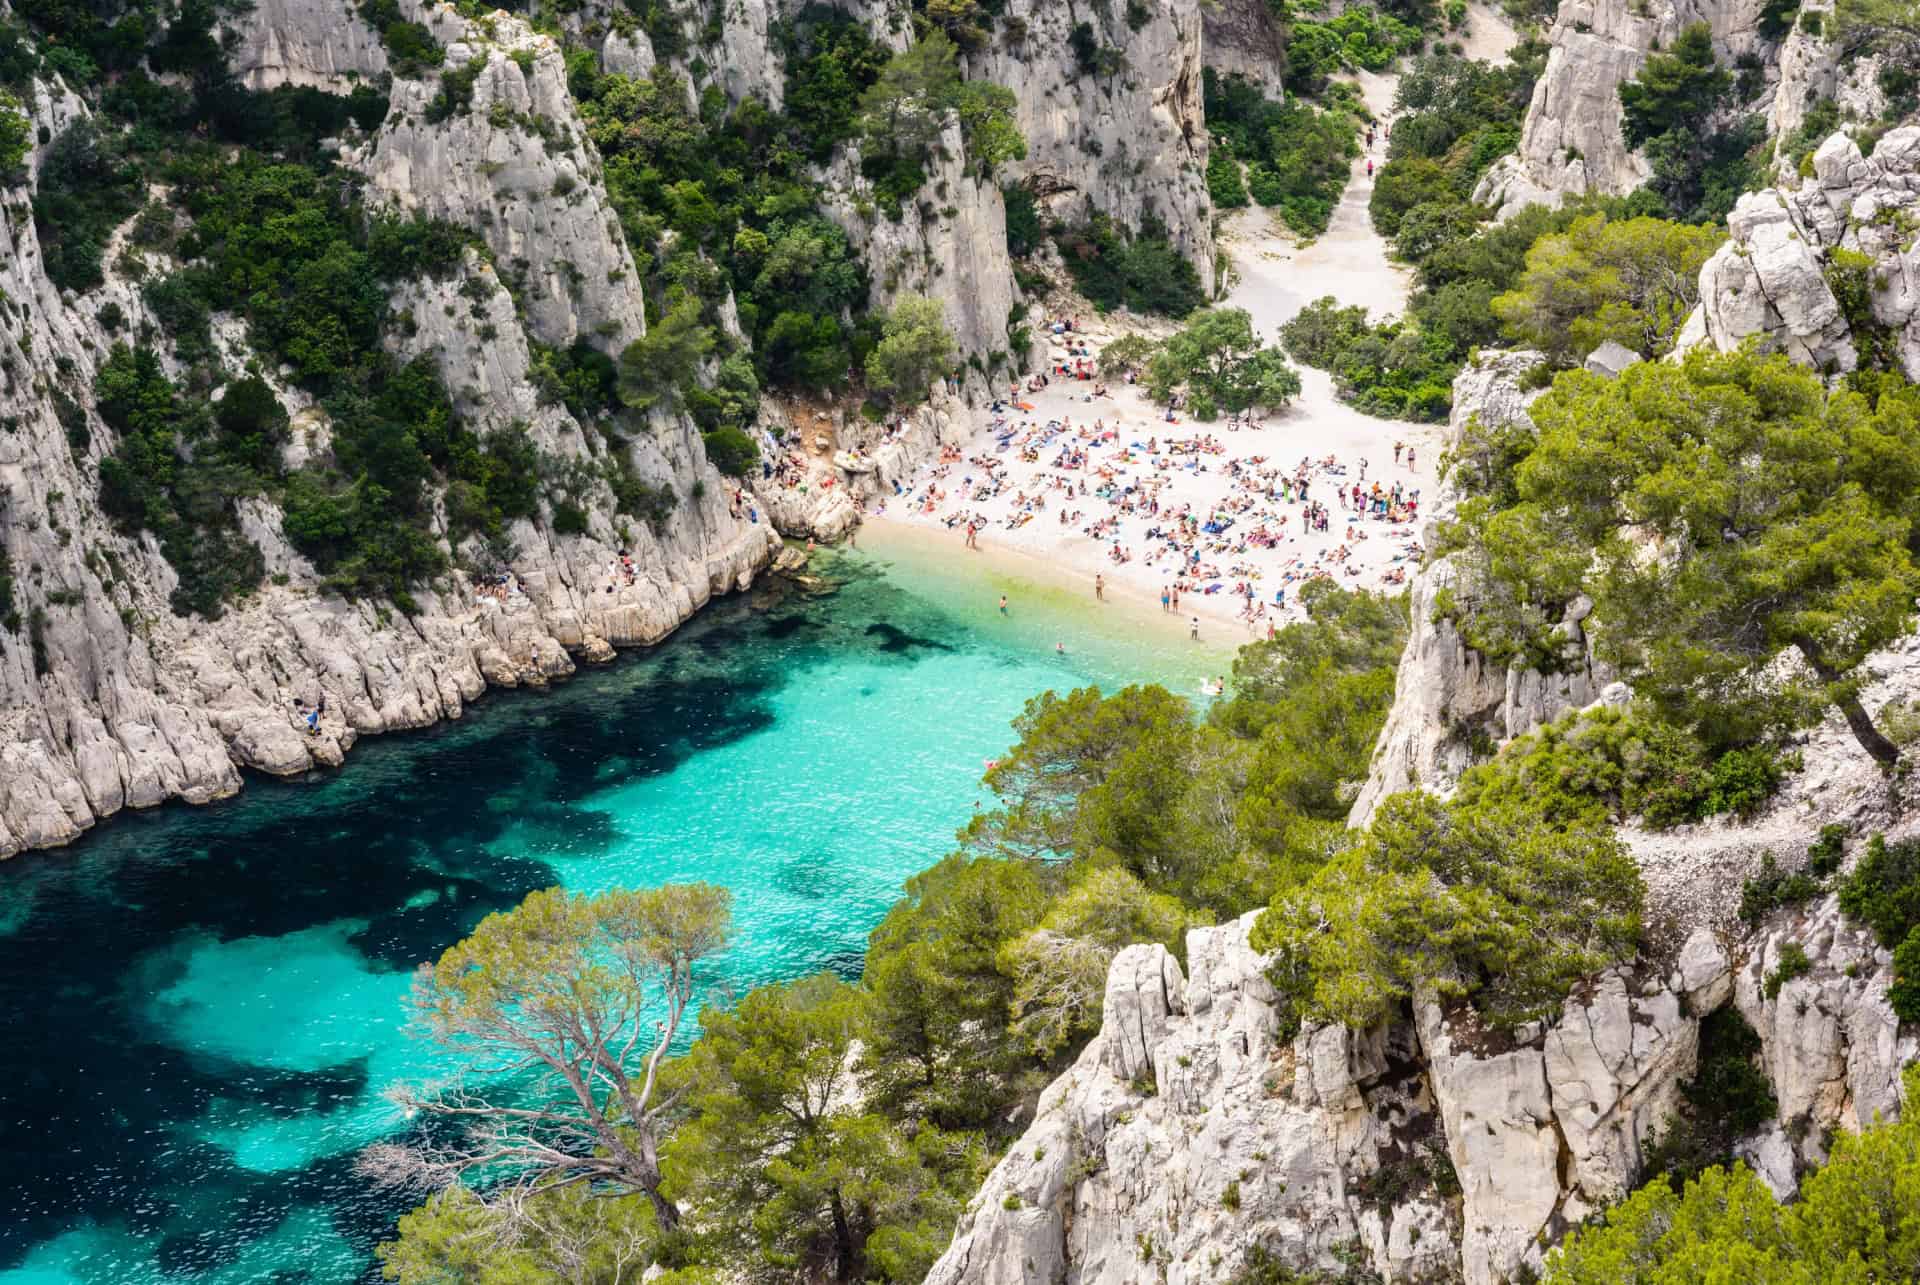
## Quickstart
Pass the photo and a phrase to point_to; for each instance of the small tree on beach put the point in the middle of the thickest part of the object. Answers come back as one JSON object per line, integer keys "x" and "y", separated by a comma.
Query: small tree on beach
{"x": 564, "y": 1007}
{"x": 1223, "y": 365}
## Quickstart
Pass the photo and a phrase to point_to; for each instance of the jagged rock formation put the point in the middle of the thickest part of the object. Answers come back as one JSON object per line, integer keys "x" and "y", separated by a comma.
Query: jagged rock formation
{"x": 1188, "y": 1132}
{"x": 1774, "y": 277}
{"x": 1450, "y": 703}
{"x": 1571, "y": 143}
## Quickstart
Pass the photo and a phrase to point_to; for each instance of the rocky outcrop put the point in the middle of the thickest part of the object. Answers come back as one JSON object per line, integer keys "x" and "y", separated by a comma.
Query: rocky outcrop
{"x": 950, "y": 245}
{"x": 319, "y": 44}
{"x": 1571, "y": 143}
{"x": 514, "y": 164}
{"x": 1450, "y": 703}
{"x": 1552, "y": 1129}
{"x": 1773, "y": 279}
{"x": 1830, "y": 1042}
{"x": 1187, "y": 1133}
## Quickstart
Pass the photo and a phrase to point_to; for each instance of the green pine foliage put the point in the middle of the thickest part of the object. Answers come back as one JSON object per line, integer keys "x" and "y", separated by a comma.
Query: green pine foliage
{"x": 1852, "y": 1221}
{"x": 1140, "y": 270}
{"x": 1297, "y": 155}
{"x": 1883, "y": 892}
{"x": 1672, "y": 111}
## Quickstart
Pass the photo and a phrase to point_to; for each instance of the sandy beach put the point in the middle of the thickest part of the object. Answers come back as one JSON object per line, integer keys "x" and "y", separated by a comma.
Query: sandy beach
{"x": 1096, "y": 489}
{"x": 1106, "y": 486}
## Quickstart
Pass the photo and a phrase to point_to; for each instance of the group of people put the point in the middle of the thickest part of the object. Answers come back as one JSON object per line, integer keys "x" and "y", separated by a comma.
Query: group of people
{"x": 1208, "y": 518}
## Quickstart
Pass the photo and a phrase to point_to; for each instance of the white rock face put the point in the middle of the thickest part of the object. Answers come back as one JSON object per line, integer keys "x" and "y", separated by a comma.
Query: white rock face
{"x": 322, "y": 44}
{"x": 1830, "y": 1042}
{"x": 1242, "y": 38}
{"x": 1571, "y": 143}
{"x": 949, "y": 244}
{"x": 1447, "y": 696}
{"x": 516, "y": 166}
{"x": 1133, "y": 144}
{"x": 1186, "y": 1134}
{"x": 1770, "y": 280}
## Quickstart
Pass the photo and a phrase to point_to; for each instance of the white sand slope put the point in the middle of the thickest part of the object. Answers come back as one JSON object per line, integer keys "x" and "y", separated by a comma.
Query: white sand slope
{"x": 1021, "y": 500}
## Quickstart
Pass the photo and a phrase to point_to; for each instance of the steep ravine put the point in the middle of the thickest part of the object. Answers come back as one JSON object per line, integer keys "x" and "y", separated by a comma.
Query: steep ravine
{"x": 109, "y": 700}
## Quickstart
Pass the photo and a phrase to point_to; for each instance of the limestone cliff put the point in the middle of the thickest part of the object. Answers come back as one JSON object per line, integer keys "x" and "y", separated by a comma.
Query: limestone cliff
{"x": 109, "y": 700}
{"x": 1190, "y": 1133}
{"x": 1571, "y": 143}
{"x": 1451, "y": 704}
{"x": 1850, "y": 226}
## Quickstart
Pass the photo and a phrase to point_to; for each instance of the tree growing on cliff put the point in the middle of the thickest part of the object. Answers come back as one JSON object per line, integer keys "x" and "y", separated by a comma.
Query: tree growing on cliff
{"x": 563, "y": 1009}
{"x": 788, "y": 1170}
{"x": 915, "y": 347}
{"x": 1718, "y": 512}
{"x": 1630, "y": 280}
{"x": 1491, "y": 904}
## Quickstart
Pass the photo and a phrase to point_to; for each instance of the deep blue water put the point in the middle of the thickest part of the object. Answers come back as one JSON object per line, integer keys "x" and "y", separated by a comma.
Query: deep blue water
{"x": 202, "y": 1007}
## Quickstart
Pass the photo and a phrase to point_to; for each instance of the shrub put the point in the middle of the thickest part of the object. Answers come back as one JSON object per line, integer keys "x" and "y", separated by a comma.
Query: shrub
{"x": 1224, "y": 184}
{"x": 1299, "y": 155}
{"x": 1772, "y": 888}
{"x": 1883, "y": 891}
{"x": 1728, "y": 1098}
{"x": 1141, "y": 270}
{"x": 1827, "y": 852}
{"x": 731, "y": 451}
{"x": 1793, "y": 962}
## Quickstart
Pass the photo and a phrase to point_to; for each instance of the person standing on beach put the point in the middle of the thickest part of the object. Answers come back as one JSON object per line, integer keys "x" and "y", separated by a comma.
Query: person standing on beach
{"x": 1100, "y": 588}
{"x": 1166, "y": 599}
{"x": 1003, "y": 604}
{"x": 1193, "y": 630}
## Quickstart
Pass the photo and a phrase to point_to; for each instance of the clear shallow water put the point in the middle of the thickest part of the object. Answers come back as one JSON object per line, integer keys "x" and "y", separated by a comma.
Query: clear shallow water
{"x": 202, "y": 1007}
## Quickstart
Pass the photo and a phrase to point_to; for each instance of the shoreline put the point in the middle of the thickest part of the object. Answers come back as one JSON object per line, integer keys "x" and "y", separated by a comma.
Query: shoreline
{"x": 1052, "y": 602}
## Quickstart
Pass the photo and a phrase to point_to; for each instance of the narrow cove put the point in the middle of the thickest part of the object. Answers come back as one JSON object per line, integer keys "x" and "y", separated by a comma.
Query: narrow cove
{"x": 206, "y": 1004}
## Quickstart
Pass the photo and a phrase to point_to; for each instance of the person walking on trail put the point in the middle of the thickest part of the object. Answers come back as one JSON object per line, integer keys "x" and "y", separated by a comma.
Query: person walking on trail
{"x": 1369, "y": 167}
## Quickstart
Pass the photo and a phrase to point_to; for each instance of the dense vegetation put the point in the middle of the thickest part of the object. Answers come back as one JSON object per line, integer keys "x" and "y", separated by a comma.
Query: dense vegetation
{"x": 1296, "y": 155}
{"x": 1787, "y": 513}
{"x": 1674, "y": 111}
{"x": 1119, "y": 819}
{"x": 718, "y": 203}
{"x": 1141, "y": 270}
{"x": 1852, "y": 1222}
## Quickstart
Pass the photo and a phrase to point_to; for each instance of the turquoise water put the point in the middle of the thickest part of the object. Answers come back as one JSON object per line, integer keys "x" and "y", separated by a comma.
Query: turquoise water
{"x": 204, "y": 1006}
